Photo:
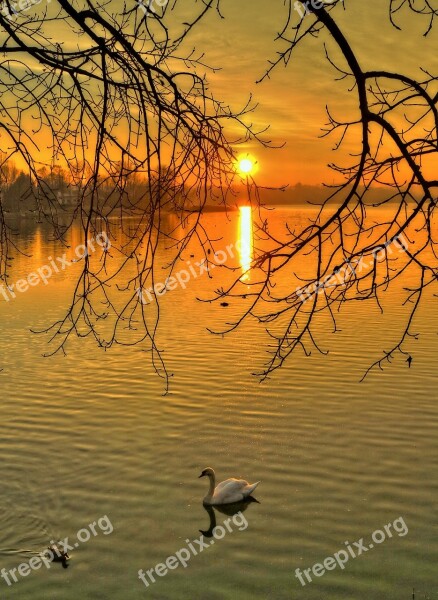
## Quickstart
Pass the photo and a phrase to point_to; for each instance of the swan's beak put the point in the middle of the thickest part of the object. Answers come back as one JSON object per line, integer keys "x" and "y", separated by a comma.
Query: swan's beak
{"x": 201, "y": 475}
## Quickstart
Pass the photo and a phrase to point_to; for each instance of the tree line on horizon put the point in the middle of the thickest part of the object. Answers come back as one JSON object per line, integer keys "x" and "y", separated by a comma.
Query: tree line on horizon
{"x": 59, "y": 188}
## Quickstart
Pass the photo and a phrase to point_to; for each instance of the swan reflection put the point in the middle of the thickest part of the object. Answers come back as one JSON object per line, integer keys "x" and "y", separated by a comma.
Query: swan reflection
{"x": 231, "y": 510}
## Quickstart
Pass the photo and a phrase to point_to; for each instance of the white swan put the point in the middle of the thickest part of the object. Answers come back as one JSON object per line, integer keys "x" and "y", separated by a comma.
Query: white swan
{"x": 227, "y": 492}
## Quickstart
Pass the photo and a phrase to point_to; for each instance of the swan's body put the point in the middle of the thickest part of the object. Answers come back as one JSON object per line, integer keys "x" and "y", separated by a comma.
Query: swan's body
{"x": 228, "y": 491}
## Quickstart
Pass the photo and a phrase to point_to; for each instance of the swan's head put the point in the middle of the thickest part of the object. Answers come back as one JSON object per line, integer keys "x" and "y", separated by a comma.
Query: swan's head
{"x": 208, "y": 472}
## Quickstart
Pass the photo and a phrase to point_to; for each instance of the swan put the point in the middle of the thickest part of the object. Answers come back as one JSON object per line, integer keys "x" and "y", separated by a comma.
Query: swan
{"x": 228, "y": 491}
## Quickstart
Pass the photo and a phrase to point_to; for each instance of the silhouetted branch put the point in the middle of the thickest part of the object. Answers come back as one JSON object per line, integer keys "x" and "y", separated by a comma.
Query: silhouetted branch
{"x": 344, "y": 255}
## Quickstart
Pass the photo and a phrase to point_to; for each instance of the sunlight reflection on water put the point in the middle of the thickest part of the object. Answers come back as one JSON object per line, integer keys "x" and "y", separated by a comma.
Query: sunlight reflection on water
{"x": 246, "y": 240}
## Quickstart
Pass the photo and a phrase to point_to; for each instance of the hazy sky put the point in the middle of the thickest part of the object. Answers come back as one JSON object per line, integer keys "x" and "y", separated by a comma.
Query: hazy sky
{"x": 293, "y": 101}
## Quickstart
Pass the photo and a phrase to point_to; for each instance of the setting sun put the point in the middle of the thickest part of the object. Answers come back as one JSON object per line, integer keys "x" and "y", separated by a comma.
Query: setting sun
{"x": 246, "y": 165}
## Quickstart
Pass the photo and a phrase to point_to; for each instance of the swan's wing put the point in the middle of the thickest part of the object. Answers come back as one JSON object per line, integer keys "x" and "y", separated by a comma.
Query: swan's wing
{"x": 230, "y": 490}
{"x": 231, "y": 484}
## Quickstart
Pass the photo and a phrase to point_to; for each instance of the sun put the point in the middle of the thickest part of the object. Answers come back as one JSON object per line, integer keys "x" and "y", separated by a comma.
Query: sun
{"x": 246, "y": 165}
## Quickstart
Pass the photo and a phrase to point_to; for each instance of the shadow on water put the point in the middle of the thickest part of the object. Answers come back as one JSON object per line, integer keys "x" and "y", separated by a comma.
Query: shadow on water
{"x": 226, "y": 509}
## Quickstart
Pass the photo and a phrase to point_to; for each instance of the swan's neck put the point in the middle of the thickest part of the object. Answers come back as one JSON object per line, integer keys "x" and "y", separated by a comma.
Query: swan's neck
{"x": 212, "y": 479}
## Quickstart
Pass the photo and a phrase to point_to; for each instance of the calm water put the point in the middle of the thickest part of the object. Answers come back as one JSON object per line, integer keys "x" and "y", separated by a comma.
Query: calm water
{"x": 91, "y": 434}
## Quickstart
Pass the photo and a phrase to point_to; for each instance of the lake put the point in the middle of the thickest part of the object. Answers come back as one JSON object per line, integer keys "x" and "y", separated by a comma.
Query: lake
{"x": 92, "y": 435}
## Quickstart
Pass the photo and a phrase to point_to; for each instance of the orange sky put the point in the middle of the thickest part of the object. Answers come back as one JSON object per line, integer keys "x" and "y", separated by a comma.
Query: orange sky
{"x": 293, "y": 100}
